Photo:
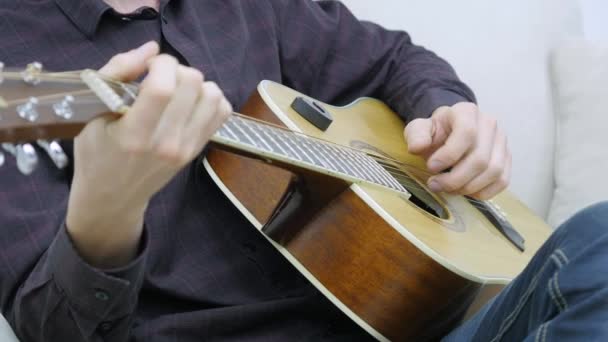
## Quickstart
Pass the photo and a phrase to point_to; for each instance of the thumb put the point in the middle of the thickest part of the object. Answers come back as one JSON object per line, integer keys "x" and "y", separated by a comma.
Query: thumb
{"x": 419, "y": 135}
{"x": 127, "y": 66}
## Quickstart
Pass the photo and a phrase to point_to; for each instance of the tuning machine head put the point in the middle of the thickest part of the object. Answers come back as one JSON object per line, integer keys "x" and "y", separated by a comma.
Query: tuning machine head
{"x": 26, "y": 156}
{"x": 32, "y": 72}
{"x": 55, "y": 152}
{"x": 64, "y": 109}
{"x": 28, "y": 110}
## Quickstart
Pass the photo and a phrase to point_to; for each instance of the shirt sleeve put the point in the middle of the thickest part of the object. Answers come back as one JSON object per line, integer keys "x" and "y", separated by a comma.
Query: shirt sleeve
{"x": 329, "y": 54}
{"x": 66, "y": 299}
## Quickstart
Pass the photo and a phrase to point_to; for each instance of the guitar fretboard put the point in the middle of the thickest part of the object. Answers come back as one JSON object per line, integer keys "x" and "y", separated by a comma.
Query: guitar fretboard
{"x": 313, "y": 153}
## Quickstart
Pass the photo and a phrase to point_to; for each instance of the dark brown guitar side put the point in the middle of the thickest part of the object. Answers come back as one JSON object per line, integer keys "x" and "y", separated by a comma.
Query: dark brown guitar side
{"x": 388, "y": 282}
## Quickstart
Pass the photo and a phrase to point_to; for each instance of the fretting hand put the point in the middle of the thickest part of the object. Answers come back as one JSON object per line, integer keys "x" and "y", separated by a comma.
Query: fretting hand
{"x": 467, "y": 146}
{"x": 121, "y": 163}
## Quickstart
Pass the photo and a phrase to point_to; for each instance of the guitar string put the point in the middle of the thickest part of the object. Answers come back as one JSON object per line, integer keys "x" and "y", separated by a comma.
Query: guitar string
{"x": 74, "y": 76}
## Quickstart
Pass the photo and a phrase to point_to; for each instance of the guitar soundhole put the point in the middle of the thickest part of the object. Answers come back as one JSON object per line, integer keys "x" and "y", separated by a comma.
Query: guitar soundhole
{"x": 420, "y": 196}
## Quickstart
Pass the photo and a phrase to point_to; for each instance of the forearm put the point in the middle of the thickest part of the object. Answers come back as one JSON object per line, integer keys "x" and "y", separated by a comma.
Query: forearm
{"x": 66, "y": 299}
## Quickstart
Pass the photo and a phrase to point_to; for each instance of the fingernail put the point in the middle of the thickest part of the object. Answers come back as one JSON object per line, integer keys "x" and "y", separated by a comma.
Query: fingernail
{"x": 436, "y": 165}
{"x": 435, "y": 186}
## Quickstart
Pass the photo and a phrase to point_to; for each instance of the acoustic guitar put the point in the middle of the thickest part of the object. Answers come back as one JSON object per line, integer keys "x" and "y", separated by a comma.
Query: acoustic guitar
{"x": 332, "y": 188}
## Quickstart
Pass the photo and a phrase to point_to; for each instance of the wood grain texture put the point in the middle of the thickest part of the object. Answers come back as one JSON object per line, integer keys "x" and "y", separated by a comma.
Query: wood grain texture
{"x": 378, "y": 274}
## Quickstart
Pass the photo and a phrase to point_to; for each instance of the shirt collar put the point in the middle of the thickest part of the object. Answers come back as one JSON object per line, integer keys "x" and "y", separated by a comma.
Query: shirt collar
{"x": 85, "y": 14}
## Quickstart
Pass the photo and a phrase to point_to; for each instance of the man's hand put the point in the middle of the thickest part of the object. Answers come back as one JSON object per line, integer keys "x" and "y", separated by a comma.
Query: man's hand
{"x": 466, "y": 142}
{"x": 121, "y": 163}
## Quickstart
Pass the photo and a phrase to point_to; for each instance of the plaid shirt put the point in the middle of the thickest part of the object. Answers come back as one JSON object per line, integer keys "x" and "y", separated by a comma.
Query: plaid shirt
{"x": 203, "y": 271}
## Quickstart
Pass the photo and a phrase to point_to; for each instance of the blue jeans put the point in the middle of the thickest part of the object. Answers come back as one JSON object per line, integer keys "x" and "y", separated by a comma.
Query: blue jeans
{"x": 562, "y": 295}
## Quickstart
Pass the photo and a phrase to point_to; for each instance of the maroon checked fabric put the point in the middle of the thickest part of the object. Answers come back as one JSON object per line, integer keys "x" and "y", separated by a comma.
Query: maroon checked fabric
{"x": 203, "y": 273}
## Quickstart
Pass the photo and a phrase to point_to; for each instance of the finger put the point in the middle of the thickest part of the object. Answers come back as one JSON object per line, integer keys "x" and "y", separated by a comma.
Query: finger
{"x": 495, "y": 169}
{"x": 419, "y": 135}
{"x": 473, "y": 164}
{"x": 212, "y": 110}
{"x": 129, "y": 65}
{"x": 181, "y": 107}
{"x": 156, "y": 92}
{"x": 498, "y": 186}
{"x": 461, "y": 139}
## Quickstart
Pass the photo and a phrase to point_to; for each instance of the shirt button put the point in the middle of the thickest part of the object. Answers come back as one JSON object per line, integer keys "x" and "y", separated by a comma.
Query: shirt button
{"x": 105, "y": 326}
{"x": 102, "y": 295}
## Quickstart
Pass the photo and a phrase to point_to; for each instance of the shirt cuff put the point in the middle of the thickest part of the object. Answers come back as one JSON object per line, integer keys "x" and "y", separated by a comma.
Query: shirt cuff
{"x": 433, "y": 99}
{"x": 102, "y": 294}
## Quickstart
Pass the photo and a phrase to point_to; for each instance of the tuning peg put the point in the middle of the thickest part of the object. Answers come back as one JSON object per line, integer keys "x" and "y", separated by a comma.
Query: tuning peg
{"x": 64, "y": 109}
{"x": 28, "y": 110}
{"x": 26, "y": 156}
{"x": 55, "y": 152}
{"x": 27, "y": 159}
{"x": 31, "y": 74}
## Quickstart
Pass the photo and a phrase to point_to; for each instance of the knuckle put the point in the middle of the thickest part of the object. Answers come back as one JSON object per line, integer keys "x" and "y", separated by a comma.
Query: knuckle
{"x": 120, "y": 59}
{"x": 479, "y": 162}
{"x": 495, "y": 170}
{"x": 133, "y": 146}
{"x": 160, "y": 91}
{"x": 449, "y": 184}
{"x": 192, "y": 75}
{"x": 165, "y": 58}
{"x": 213, "y": 91}
{"x": 171, "y": 152}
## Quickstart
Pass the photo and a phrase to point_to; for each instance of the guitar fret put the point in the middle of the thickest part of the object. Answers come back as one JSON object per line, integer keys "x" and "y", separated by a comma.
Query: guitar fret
{"x": 299, "y": 141}
{"x": 229, "y": 133}
{"x": 266, "y": 132}
{"x": 320, "y": 148}
{"x": 314, "y": 157}
{"x": 285, "y": 141}
{"x": 280, "y": 142}
{"x": 268, "y": 147}
{"x": 288, "y": 137}
{"x": 353, "y": 168}
{"x": 242, "y": 136}
{"x": 323, "y": 160}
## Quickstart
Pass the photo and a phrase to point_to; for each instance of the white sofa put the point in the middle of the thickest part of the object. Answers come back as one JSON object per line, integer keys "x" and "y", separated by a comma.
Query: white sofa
{"x": 501, "y": 49}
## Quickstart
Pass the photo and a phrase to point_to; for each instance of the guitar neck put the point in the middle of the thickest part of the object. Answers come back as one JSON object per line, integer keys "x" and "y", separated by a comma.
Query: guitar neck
{"x": 263, "y": 141}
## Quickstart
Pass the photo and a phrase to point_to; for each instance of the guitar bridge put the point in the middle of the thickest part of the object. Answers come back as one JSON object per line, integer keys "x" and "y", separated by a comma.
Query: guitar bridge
{"x": 498, "y": 218}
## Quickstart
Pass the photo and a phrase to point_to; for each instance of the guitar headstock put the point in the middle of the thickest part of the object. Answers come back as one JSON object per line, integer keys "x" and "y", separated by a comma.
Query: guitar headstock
{"x": 45, "y": 106}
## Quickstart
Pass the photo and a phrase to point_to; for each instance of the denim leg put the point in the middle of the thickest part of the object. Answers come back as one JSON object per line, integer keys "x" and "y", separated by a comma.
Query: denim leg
{"x": 562, "y": 295}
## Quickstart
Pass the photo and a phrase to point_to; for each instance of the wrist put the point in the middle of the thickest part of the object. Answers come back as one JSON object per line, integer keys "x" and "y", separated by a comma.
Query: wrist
{"x": 106, "y": 234}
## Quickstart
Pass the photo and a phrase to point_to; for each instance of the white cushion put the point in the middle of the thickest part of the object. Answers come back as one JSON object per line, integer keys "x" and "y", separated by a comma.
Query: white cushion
{"x": 580, "y": 85}
{"x": 6, "y": 333}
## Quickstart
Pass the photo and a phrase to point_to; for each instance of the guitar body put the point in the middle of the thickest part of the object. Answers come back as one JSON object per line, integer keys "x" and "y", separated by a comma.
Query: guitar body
{"x": 396, "y": 269}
